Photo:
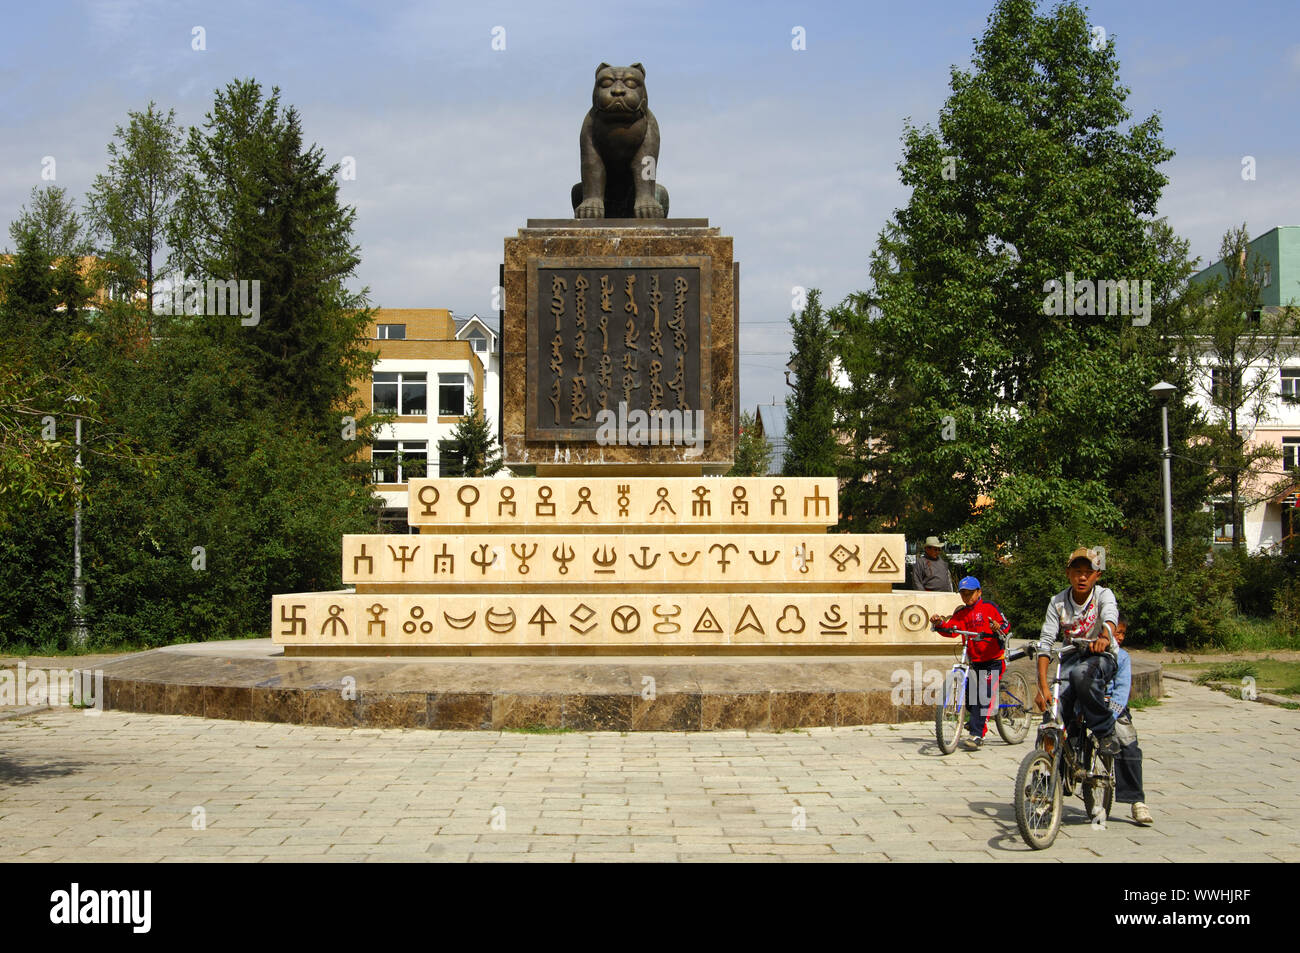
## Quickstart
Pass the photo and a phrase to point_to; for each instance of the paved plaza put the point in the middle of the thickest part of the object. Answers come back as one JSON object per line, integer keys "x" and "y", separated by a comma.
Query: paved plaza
{"x": 1221, "y": 780}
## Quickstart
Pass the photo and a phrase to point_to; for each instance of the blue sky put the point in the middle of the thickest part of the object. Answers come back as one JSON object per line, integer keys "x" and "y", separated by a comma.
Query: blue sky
{"x": 793, "y": 153}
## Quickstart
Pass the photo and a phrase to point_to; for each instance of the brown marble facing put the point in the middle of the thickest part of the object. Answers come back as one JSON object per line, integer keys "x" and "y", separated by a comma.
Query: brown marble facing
{"x": 802, "y": 709}
{"x": 668, "y": 712}
{"x": 751, "y": 711}
{"x": 624, "y": 242}
{"x": 527, "y": 711}
{"x": 598, "y": 712}
{"x": 461, "y": 711}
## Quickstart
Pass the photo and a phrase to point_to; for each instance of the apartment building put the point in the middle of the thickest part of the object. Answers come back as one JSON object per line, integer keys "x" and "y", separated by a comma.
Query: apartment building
{"x": 430, "y": 364}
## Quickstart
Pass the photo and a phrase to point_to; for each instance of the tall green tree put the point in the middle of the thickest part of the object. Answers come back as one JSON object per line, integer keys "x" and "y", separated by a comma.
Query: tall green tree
{"x": 130, "y": 204}
{"x": 753, "y": 450}
{"x": 975, "y": 407}
{"x": 1243, "y": 346}
{"x": 476, "y": 444}
{"x": 811, "y": 448}
{"x": 51, "y": 217}
{"x": 256, "y": 204}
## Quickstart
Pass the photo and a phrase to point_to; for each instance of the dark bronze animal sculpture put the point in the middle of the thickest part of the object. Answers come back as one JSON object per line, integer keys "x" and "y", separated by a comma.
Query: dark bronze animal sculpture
{"x": 619, "y": 145}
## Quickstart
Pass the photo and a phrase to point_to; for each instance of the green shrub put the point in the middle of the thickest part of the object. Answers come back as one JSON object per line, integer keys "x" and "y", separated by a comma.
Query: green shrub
{"x": 1183, "y": 607}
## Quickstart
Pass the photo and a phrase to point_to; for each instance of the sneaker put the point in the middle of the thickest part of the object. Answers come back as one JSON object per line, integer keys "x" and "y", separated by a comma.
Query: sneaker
{"x": 1141, "y": 815}
{"x": 972, "y": 743}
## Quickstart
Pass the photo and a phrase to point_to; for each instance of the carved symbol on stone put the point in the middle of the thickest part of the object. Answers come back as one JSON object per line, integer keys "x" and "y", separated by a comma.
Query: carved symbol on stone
{"x": 765, "y": 559}
{"x": 428, "y": 504}
{"x": 624, "y": 498}
{"x": 842, "y": 556}
{"x": 404, "y": 558}
{"x": 832, "y": 623}
{"x": 523, "y": 554}
{"x": 500, "y": 622}
{"x": 662, "y": 493}
{"x": 868, "y": 614}
{"x": 630, "y": 334}
{"x": 584, "y": 499}
{"x": 579, "y": 407}
{"x": 295, "y": 621}
{"x": 376, "y": 611}
{"x": 583, "y": 615}
{"x": 803, "y": 557}
{"x": 605, "y": 557}
{"x": 700, "y": 506}
{"x": 914, "y": 618}
{"x": 753, "y": 622}
{"x": 544, "y": 505}
{"x": 883, "y": 562}
{"x": 625, "y": 619}
{"x": 558, "y": 287}
{"x": 778, "y": 496}
{"x": 557, "y": 389}
{"x": 334, "y": 621}
{"x": 563, "y": 555}
{"x": 666, "y": 625}
{"x": 708, "y": 623}
{"x": 460, "y": 495}
{"x": 786, "y": 624}
{"x": 480, "y": 558}
{"x": 723, "y": 561}
{"x": 417, "y": 620}
{"x": 370, "y": 562}
{"x": 646, "y": 561}
{"x": 464, "y": 622}
{"x": 444, "y": 562}
{"x": 738, "y": 502}
{"x": 606, "y": 290}
{"x": 694, "y": 556}
{"x": 507, "y": 499}
{"x": 542, "y": 618}
{"x": 817, "y": 500}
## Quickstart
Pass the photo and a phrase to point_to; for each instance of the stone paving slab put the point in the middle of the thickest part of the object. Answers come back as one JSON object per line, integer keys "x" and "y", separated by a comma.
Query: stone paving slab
{"x": 1221, "y": 777}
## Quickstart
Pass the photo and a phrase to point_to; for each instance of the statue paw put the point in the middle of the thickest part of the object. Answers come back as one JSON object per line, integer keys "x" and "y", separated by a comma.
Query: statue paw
{"x": 591, "y": 208}
{"x": 649, "y": 210}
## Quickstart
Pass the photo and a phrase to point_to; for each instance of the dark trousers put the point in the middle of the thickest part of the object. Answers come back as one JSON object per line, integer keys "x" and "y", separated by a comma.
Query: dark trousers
{"x": 982, "y": 694}
{"x": 1128, "y": 771}
{"x": 1087, "y": 689}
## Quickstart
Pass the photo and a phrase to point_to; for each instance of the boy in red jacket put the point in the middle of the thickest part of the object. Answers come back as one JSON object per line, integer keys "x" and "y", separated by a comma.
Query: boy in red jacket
{"x": 987, "y": 656}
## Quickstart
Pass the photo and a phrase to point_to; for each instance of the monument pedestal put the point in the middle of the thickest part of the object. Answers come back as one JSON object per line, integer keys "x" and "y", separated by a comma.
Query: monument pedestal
{"x": 618, "y": 335}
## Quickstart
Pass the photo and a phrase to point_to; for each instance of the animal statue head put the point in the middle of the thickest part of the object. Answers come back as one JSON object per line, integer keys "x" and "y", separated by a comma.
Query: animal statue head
{"x": 619, "y": 93}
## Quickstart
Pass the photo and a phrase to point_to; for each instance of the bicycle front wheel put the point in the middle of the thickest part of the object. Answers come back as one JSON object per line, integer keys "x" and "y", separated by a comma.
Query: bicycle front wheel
{"x": 949, "y": 714}
{"x": 1038, "y": 799}
{"x": 1014, "y": 713}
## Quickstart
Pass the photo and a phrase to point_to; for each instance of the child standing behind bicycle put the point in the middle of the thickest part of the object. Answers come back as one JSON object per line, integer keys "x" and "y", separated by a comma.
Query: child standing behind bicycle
{"x": 987, "y": 655}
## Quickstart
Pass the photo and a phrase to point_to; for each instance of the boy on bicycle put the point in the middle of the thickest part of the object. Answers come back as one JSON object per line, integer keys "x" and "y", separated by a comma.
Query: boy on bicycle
{"x": 987, "y": 655}
{"x": 1084, "y": 610}
{"x": 1128, "y": 763}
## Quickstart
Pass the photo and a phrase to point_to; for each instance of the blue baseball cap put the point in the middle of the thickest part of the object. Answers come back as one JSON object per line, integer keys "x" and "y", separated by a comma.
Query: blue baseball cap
{"x": 970, "y": 582}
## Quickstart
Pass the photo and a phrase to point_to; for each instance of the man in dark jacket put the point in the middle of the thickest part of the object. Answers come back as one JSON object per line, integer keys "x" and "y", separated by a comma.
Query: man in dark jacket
{"x": 930, "y": 571}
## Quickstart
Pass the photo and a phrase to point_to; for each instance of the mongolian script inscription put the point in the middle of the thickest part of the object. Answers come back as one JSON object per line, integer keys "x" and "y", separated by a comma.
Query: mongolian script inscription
{"x": 602, "y": 336}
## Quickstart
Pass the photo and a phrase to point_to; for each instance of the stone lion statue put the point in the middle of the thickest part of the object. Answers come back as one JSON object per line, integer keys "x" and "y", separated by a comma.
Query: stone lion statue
{"x": 619, "y": 145}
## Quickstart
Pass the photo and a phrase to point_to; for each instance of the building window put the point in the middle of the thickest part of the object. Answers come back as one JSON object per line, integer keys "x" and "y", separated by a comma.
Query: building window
{"x": 451, "y": 394}
{"x": 404, "y": 393}
{"x": 1268, "y": 275}
{"x": 1290, "y": 385}
{"x": 1223, "y": 521}
{"x": 451, "y": 463}
{"x": 390, "y": 332}
{"x": 479, "y": 342}
{"x": 1219, "y": 389}
{"x": 399, "y": 461}
{"x": 1291, "y": 453}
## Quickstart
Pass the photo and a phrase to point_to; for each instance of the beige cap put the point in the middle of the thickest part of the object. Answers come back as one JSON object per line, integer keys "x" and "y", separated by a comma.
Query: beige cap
{"x": 1082, "y": 553}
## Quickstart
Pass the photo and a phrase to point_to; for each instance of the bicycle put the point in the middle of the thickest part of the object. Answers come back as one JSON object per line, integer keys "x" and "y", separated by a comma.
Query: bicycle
{"x": 1059, "y": 762}
{"x": 1013, "y": 714}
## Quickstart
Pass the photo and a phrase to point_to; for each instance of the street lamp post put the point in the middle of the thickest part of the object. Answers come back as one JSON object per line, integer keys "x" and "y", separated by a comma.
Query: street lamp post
{"x": 79, "y": 632}
{"x": 1162, "y": 392}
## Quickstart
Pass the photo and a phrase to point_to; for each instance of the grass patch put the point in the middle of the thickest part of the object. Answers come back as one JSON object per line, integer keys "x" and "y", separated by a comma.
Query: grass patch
{"x": 1137, "y": 704}
{"x": 1228, "y": 672}
{"x": 1245, "y": 634}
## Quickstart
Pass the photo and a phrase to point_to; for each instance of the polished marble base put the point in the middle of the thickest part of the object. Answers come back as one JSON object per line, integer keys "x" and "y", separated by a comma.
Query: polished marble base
{"x": 252, "y": 680}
